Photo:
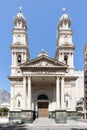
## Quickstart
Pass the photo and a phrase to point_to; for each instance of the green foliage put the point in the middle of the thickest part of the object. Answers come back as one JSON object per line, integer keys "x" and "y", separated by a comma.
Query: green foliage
{"x": 4, "y": 111}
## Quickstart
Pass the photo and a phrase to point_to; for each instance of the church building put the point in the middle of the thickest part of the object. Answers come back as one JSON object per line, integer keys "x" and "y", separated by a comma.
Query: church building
{"x": 43, "y": 86}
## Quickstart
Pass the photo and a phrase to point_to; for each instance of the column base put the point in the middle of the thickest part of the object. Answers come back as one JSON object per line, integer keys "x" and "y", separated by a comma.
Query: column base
{"x": 15, "y": 116}
{"x": 60, "y": 116}
{"x": 72, "y": 115}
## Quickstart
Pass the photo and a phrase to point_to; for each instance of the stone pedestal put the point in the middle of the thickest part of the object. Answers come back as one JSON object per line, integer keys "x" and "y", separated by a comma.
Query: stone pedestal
{"x": 26, "y": 116}
{"x": 71, "y": 115}
{"x": 60, "y": 116}
{"x": 15, "y": 116}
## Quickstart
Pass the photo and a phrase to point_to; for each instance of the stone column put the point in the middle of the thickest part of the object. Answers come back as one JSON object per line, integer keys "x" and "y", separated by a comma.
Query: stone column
{"x": 22, "y": 58}
{"x": 29, "y": 93}
{"x": 24, "y": 91}
{"x": 57, "y": 93}
{"x": 12, "y": 59}
{"x": 60, "y": 113}
{"x": 72, "y": 59}
{"x": 27, "y": 113}
{"x": 12, "y": 98}
{"x": 62, "y": 93}
{"x": 25, "y": 57}
{"x": 15, "y": 59}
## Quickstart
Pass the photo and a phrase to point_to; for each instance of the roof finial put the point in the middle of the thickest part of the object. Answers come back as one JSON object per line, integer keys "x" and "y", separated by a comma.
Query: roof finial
{"x": 42, "y": 50}
{"x": 20, "y": 9}
{"x": 64, "y": 10}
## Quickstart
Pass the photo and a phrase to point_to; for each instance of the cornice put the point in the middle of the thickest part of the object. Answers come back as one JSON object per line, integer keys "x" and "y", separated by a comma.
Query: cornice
{"x": 15, "y": 77}
{"x": 66, "y": 46}
{"x": 72, "y": 77}
{"x": 18, "y": 46}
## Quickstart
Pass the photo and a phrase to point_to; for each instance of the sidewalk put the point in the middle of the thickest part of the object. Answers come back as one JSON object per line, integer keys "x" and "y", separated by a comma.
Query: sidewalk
{"x": 45, "y": 122}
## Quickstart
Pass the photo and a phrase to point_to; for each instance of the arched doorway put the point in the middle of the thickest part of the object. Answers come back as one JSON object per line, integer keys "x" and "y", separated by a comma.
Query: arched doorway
{"x": 43, "y": 105}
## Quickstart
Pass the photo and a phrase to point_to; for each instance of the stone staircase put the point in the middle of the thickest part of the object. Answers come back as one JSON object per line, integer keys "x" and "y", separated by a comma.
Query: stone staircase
{"x": 44, "y": 122}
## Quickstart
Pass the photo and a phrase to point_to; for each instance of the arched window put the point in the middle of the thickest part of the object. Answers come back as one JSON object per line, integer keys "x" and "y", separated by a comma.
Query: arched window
{"x": 19, "y": 59}
{"x": 67, "y": 100}
{"x": 19, "y": 38}
{"x": 19, "y": 104}
{"x": 42, "y": 97}
{"x": 18, "y": 100}
{"x": 66, "y": 59}
{"x": 66, "y": 103}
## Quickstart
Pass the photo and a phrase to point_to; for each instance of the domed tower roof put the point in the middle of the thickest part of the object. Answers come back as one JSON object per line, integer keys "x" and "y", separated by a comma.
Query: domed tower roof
{"x": 64, "y": 21}
{"x": 20, "y": 21}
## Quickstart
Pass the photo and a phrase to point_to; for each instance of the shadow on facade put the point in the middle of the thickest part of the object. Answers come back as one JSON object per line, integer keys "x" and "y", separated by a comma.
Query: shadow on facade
{"x": 79, "y": 129}
{"x": 14, "y": 127}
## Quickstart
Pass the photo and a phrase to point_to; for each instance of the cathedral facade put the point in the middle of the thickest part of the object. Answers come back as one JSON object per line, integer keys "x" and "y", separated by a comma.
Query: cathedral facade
{"x": 44, "y": 86}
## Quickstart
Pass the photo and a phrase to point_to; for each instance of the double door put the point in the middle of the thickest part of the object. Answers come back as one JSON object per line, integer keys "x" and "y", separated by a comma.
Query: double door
{"x": 42, "y": 109}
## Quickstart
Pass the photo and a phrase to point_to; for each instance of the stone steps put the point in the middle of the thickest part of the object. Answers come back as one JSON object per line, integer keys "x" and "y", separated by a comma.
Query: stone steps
{"x": 44, "y": 121}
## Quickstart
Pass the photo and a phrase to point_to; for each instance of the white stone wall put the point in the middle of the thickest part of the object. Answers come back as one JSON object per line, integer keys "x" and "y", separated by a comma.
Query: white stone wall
{"x": 16, "y": 94}
{"x": 70, "y": 94}
{"x": 75, "y": 90}
{"x": 79, "y": 84}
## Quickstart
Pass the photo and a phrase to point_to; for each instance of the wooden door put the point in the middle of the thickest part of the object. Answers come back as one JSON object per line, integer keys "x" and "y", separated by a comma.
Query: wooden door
{"x": 42, "y": 109}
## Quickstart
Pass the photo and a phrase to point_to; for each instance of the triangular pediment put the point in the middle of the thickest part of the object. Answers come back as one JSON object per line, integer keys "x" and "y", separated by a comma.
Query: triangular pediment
{"x": 43, "y": 61}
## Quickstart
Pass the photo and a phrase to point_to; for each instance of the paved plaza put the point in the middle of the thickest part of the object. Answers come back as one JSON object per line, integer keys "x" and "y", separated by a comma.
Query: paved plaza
{"x": 44, "y": 124}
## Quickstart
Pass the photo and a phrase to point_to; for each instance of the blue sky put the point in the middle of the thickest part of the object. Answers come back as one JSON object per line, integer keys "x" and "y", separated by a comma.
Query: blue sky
{"x": 42, "y": 18}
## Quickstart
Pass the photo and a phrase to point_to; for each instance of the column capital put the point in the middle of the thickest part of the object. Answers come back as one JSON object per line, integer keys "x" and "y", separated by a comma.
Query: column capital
{"x": 62, "y": 77}
{"x": 24, "y": 76}
{"x": 29, "y": 76}
{"x": 57, "y": 77}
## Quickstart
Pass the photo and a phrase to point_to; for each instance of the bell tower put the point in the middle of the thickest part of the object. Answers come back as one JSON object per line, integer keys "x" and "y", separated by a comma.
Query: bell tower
{"x": 65, "y": 47}
{"x": 19, "y": 46}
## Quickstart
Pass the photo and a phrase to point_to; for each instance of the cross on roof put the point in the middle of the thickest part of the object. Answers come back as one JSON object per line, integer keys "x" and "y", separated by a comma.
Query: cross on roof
{"x": 20, "y": 8}
{"x": 64, "y": 10}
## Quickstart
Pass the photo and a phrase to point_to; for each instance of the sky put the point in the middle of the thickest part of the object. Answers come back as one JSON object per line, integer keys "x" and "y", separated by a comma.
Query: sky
{"x": 42, "y": 17}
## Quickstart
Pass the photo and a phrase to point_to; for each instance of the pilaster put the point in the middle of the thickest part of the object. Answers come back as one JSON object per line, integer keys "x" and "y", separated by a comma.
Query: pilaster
{"x": 12, "y": 59}
{"x": 24, "y": 91}
{"x": 15, "y": 59}
{"x": 29, "y": 93}
{"x": 62, "y": 93}
{"x": 57, "y": 93}
{"x": 12, "y": 98}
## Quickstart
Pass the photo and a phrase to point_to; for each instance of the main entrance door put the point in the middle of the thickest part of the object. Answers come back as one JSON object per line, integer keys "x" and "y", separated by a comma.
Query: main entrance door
{"x": 42, "y": 109}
